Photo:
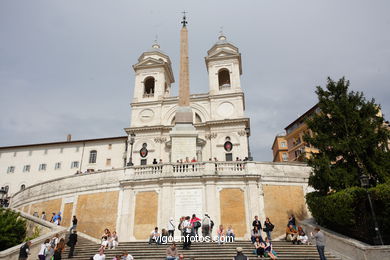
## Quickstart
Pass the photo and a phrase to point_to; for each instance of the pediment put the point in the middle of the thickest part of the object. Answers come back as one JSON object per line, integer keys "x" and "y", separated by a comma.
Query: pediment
{"x": 222, "y": 53}
{"x": 149, "y": 62}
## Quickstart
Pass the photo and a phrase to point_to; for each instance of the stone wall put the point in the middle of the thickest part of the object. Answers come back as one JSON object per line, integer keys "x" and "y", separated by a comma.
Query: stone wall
{"x": 232, "y": 206}
{"x": 146, "y": 208}
{"x": 135, "y": 200}
{"x": 280, "y": 201}
{"x": 96, "y": 212}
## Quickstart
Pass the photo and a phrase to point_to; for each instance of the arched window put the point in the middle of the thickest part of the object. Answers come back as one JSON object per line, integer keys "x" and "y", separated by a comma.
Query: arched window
{"x": 224, "y": 78}
{"x": 92, "y": 156}
{"x": 149, "y": 87}
{"x": 22, "y": 187}
{"x": 6, "y": 188}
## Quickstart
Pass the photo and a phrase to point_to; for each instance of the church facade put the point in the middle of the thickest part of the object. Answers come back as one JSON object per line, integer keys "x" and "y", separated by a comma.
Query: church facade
{"x": 195, "y": 141}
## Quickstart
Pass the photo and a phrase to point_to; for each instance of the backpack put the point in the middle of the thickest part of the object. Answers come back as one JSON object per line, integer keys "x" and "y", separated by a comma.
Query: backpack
{"x": 53, "y": 242}
{"x": 197, "y": 224}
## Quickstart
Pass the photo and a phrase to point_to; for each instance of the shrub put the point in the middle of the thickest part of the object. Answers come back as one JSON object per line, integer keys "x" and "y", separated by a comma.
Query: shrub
{"x": 12, "y": 229}
{"x": 348, "y": 211}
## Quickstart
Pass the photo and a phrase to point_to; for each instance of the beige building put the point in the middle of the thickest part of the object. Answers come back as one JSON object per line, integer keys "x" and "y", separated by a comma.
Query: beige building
{"x": 124, "y": 191}
{"x": 280, "y": 149}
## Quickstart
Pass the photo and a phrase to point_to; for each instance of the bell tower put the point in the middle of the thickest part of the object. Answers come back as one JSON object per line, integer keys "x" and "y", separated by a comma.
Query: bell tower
{"x": 223, "y": 63}
{"x": 154, "y": 75}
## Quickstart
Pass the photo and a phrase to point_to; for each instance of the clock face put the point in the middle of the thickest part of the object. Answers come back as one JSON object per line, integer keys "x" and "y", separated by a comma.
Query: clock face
{"x": 146, "y": 115}
{"x": 228, "y": 146}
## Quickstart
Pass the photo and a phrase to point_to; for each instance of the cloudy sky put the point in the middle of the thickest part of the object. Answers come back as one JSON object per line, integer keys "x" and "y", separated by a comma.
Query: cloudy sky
{"x": 65, "y": 66}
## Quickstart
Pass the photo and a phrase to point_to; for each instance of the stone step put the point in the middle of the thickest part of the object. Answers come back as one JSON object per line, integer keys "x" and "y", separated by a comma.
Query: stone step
{"x": 198, "y": 251}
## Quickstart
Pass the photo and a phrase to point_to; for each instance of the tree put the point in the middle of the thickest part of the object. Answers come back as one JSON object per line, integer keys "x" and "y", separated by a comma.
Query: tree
{"x": 12, "y": 229}
{"x": 352, "y": 139}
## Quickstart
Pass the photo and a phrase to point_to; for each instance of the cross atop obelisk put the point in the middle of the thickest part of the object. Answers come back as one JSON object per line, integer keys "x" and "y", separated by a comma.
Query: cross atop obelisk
{"x": 184, "y": 78}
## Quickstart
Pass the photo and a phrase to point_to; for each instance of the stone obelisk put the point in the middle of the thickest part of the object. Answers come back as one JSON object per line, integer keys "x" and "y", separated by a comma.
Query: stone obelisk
{"x": 183, "y": 134}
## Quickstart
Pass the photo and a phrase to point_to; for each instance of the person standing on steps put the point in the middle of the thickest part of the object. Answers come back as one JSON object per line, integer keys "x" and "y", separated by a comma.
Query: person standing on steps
{"x": 74, "y": 224}
{"x": 320, "y": 242}
{"x": 257, "y": 223}
{"x": 24, "y": 251}
{"x": 72, "y": 243}
{"x": 171, "y": 227}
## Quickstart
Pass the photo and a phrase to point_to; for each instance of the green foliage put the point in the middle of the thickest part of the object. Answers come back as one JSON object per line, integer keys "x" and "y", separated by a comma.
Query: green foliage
{"x": 347, "y": 131}
{"x": 348, "y": 211}
{"x": 12, "y": 229}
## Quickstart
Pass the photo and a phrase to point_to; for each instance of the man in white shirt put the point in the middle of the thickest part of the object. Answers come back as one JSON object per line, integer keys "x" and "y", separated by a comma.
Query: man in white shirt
{"x": 154, "y": 236}
{"x": 126, "y": 256}
{"x": 171, "y": 227}
{"x": 100, "y": 255}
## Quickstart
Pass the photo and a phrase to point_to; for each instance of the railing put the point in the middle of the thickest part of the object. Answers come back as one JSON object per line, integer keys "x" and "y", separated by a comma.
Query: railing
{"x": 238, "y": 166}
{"x": 198, "y": 168}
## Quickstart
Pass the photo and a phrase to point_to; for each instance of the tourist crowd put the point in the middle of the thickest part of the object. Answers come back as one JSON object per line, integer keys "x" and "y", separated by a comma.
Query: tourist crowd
{"x": 188, "y": 227}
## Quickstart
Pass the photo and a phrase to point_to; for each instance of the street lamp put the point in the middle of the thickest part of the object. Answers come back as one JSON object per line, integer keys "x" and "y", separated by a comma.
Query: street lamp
{"x": 365, "y": 183}
{"x": 248, "y": 133}
{"x": 131, "y": 142}
{"x": 3, "y": 197}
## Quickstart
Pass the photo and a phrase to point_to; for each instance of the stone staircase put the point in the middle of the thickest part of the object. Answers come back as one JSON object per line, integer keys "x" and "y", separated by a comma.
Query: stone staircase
{"x": 199, "y": 251}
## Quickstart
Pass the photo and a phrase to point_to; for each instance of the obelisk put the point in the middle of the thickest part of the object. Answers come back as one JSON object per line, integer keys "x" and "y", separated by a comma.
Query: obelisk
{"x": 183, "y": 134}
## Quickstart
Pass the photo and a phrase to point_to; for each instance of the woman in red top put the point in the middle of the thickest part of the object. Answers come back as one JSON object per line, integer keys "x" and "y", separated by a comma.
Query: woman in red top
{"x": 195, "y": 223}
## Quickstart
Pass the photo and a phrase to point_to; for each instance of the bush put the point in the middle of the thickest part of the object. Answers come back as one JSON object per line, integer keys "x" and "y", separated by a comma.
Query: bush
{"x": 12, "y": 229}
{"x": 348, "y": 211}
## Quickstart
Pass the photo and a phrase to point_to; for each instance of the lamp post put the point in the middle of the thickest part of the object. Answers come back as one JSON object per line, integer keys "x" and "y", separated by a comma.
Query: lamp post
{"x": 248, "y": 133}
{"x": 365, "y": 183}
{"x": 131, "y": 142}
{"x": 3, "y": 197}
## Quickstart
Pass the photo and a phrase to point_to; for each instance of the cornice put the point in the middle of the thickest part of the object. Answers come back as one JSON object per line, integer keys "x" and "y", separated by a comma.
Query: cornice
{"x": 193, "y": 98}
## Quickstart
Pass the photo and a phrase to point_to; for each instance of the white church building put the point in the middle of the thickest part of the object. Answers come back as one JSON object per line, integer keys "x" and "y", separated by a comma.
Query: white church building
{"x": 117, "y": 175}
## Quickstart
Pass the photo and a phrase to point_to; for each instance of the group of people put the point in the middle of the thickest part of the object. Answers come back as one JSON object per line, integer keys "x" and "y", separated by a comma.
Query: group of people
{"x": 263, "y": 246}
{"x": 109, "y": 240}
{"x": 189, "y": 230}
{"x": 52, "y": 248}
{"x": 55, "y": 218}
{"x": 297, "y": 235}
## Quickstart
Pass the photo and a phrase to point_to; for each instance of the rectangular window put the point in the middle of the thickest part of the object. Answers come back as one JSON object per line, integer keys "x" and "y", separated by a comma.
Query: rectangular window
{"x": 61, "y": 150}
{"x": 57, "y": 166}
{"x": 42, "y": 167}
{"x": 45, "y": 152}
{"x": 11, "y": 169}
{"x": 108, "y": 162}
{"x": 74, "y": 164}
{"x": 143, "y": 161}
{"x": 109, "y": 146}
{"x": 14, "y": 154}
{"x": 30, "y": 153}
{"x": 229, "y": 157}
{"x": 77, "y": 149}
{"x": 285, "y": 157}
{"x": 283, "y": 144}
{"x": 26, "y": 168}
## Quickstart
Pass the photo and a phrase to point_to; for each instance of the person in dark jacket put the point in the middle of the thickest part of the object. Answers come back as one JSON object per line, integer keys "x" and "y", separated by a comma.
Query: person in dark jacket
{"x": 240, "y": 255}
{"x": 24, "y": 251}
{"x": 72, "y": 243}
{"x": 257, "y": 223}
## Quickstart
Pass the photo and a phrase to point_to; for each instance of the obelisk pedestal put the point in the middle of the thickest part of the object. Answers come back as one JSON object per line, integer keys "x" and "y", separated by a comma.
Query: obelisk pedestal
{"x": 183, "y": 135}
